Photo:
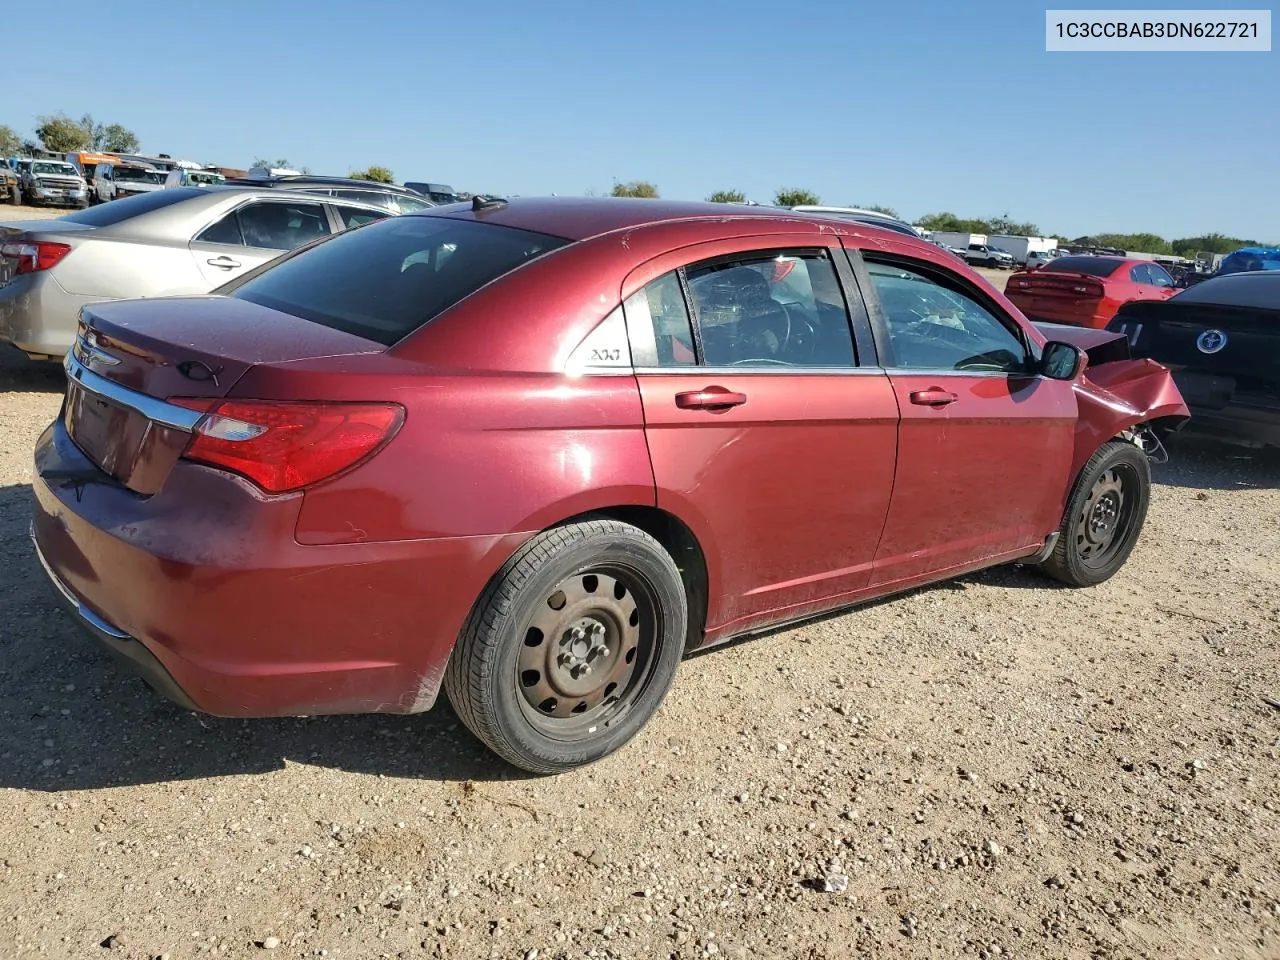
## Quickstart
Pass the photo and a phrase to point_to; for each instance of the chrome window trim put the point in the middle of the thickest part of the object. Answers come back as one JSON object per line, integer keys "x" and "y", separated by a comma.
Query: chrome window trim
{"x": 157, "y": 411}
{"x": 777, "y": 370}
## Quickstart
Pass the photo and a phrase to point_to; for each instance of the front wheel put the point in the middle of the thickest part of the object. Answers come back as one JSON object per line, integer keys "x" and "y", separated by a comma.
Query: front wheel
{"x": 571, "y": 648}
{"x": 1104, "y": 516}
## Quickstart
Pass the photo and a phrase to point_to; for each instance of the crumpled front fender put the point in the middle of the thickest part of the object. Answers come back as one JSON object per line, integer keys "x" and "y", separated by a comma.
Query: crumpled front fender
{"x": 1113, "y": 397}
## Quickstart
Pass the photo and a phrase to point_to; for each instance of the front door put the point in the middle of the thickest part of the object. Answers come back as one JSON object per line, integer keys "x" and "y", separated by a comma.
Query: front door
{"x": 764, "y": 433}
{"x": 985, "y": 446}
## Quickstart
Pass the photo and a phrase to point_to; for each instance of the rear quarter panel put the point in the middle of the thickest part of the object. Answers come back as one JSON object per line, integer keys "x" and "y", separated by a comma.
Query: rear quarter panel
{"x": 118, "y": 269}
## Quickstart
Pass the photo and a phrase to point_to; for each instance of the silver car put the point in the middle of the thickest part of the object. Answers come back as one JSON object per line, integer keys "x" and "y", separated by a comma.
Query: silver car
{"x": 187, "y": 240}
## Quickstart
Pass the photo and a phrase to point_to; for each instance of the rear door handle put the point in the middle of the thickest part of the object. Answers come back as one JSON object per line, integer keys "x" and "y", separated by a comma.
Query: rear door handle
{"x": 226, "y": 263}
{"x": 710, "y": 398}
{"x": 933, "y": 397}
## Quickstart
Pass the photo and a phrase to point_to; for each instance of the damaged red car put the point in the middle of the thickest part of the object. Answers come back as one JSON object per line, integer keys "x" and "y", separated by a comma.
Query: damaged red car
{"x": 533, "y": 452}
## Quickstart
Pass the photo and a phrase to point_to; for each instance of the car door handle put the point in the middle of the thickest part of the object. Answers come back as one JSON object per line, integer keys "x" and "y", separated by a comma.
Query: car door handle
{"x": 711, "y": 398}
{"x": 226, "y": 263}
{"x": 933, "y": 397}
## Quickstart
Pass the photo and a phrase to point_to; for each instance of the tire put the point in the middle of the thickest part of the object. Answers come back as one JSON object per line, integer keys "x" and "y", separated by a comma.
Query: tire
{"x": 1104, "y": 516}
{"x": 15, "y": 196}
{"x": 516, "y": 677}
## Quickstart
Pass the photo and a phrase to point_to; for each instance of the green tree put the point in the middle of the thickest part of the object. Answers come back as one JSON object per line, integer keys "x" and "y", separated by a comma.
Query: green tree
{"x": 271, "y": 163}
{"x": 61, "y": 134}
{"x": 117, "y": 138}
{"x": 1140, "y": 242}
{"x": 948, "y": 222}
{"x": 796, "y": 197}
{"x": 10, "y": 142}
{"x": 1209, "y": 243}
{"x": 636, "y": 188}
{"x": 376, "y": 174}
{"x": 727, "y": 196}
{"x": 1003, "y": 224}
{"x": 887, "y": 211}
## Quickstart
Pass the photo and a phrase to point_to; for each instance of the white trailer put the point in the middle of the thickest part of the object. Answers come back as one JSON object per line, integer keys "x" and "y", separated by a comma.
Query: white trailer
{"x": 957, "y": 241}
{"x": 1021, "y": 246}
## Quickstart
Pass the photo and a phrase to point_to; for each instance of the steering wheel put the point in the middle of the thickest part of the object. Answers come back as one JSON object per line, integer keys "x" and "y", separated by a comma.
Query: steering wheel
{"x": 765, "y": 360}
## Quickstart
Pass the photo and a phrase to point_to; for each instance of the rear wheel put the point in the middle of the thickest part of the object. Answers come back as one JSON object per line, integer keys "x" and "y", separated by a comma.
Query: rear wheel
{"x": 1104, "y": 516}
{"x": 571, "y": 648}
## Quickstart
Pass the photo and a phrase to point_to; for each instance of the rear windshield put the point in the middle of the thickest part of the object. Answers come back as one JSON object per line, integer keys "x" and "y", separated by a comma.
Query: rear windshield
{"x": 117, "y": 211}
{"x": 384, "y": 280}
{"x": 1093, "y": 266}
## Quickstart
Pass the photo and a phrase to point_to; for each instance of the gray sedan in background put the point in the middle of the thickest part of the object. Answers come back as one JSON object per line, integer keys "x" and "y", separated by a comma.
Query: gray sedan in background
{"x": 186, "y": 240}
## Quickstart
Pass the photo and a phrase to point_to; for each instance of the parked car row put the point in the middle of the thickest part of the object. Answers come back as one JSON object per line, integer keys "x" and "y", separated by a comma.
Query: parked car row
{"x": 490, "y": 450}
{"x": 185, "y": 240}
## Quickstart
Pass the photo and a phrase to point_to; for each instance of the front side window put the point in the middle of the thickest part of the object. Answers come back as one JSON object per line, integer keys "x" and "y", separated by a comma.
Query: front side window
{"x": 935, "y": 327}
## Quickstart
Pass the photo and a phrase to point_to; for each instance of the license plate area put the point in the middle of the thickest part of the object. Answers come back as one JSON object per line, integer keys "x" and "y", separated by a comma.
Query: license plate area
{"x": 120, "y": 441}
{"x": 98, "y": 427}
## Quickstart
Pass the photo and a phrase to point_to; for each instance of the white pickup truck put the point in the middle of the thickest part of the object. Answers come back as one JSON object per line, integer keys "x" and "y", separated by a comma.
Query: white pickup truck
{"x": 985, "y": 255}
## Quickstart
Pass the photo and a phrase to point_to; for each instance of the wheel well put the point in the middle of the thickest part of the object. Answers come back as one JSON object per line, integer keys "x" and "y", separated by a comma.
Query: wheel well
{"x": 679, "y": 541}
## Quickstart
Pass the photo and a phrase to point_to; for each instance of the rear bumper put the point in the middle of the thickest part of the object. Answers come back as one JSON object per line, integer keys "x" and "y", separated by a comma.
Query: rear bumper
{"x": 1236, "y": 424}
{"x": 126, "y": 648}
{"x": 38, "y": 316}
{"x": 204, "y": 590}
{"x": 1096, "y": 320}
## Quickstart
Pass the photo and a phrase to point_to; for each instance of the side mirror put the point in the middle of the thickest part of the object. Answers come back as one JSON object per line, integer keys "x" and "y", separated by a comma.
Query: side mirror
{"x": 1061, "y": 361}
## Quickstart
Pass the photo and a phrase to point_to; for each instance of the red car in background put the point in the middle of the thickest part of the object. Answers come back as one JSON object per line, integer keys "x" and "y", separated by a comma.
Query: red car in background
{"x": 534, "y": 451}
{"x": 1086, "y": 291}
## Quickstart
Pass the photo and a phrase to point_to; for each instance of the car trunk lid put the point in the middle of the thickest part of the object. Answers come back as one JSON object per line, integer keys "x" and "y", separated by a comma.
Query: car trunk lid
{"x": 1219, "y": 353}
{"x": 1056, "y": 285}
{"x": 131, "y": 357}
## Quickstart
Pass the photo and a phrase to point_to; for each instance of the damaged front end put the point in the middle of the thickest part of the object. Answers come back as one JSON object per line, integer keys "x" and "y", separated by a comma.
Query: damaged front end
{"x": 1119, "y": 396}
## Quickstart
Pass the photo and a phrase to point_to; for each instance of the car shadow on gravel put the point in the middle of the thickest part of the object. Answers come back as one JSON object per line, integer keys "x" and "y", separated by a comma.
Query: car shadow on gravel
{"x": 18, "y": 374}
{"x": 75, "y": 719}
{"x": 1201, "y": 463}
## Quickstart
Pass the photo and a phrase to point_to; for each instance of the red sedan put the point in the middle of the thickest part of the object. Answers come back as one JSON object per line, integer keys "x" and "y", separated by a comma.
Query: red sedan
{"x": 1087, "y": 291}
{"x": 533, "y": 452}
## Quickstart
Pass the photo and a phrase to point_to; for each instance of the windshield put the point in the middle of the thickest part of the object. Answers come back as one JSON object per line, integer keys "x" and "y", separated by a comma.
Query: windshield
{"x": 138, "y": 175}
{"x": 384, "y": 280}
{"x": 205, "y": 178}
{"x": 60, "y": 169}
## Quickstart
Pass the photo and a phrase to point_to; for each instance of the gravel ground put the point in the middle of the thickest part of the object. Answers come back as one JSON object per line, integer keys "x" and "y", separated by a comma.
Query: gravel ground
{"x": 991, "y": 768}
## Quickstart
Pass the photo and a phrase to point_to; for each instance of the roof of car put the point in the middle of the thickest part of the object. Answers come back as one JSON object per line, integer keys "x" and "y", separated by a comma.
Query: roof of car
{"x": 581, "y": 218}
{"x": 308, "y": 180}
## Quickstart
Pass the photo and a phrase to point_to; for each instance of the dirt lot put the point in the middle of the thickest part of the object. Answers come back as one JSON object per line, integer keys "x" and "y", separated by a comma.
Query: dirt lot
{"x": 1000, "y": 768}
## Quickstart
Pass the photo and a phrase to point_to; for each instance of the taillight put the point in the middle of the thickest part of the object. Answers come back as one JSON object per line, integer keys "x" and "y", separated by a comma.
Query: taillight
{"x": 1088, "y": 289}
{"x": 33, "y": 256}
{"x": 285, "y": 445}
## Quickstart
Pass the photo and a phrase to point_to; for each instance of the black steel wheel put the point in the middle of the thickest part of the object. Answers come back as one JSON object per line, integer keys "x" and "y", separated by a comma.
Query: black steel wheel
{"x": 1104, "y": 516}
{"x": 572, "y": 647}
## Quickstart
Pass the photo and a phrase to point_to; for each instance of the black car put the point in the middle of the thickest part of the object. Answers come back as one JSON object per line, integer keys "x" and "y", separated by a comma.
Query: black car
{"x": 1221, "y": 339}
{"x": 388, "y": 195}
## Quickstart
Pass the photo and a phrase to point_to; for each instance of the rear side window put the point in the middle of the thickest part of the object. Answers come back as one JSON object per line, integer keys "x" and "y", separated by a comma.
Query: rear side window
{"x": 384, "y": 281}
{"x": 118, "y": 211}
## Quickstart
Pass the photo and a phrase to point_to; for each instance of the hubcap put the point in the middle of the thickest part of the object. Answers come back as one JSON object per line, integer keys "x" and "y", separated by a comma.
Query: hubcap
{"x": 1103, "y": 523}
{"x": 582, "y": 648}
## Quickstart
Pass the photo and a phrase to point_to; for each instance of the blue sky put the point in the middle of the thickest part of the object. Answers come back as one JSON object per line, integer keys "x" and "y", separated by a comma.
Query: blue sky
{"x": 923, "y": 106}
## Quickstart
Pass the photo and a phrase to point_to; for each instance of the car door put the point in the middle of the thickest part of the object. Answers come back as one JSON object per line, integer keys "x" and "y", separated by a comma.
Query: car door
{"x": 254, "y": 233}
{"x": 764, "y": 434}
{"x": 984, "y": 445}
